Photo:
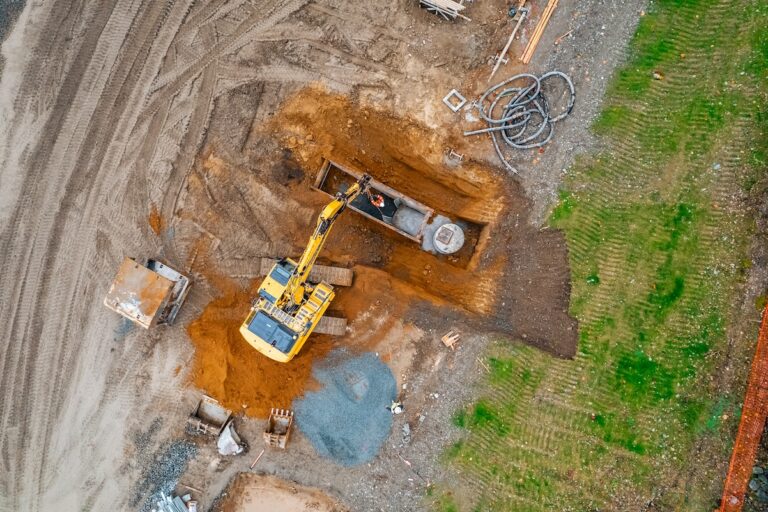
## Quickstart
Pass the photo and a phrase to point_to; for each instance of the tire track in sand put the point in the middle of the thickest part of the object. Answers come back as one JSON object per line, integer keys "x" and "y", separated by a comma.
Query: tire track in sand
{"x": 66, "y": 164}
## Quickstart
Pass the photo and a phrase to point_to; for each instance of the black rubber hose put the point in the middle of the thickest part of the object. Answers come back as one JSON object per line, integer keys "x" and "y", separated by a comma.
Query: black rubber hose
{"x": 517, "y": 109}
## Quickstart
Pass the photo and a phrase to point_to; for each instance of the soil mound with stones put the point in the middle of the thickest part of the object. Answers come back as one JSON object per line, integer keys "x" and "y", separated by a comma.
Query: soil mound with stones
{"x": 348, "y": 420}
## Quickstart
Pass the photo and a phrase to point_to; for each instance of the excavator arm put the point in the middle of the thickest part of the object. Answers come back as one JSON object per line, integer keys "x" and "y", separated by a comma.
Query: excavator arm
{"x": 295, "y": 289}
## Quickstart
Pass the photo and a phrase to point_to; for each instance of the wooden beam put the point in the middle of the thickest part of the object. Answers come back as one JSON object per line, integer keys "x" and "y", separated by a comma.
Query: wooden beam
{"x": 538, "y": 31}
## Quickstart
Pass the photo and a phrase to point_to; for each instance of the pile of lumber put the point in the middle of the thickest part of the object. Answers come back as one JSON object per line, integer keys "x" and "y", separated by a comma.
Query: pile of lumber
{"x": 533, "y": 43}
{"x": 448, "y": 9}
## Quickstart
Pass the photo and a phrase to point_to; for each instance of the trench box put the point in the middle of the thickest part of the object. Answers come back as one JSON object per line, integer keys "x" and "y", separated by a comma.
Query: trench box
{"x": 399, "y": 212}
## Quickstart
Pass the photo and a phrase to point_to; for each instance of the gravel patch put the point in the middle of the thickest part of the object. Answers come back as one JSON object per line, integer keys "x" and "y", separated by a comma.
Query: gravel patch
{"x": 163, "y": 473}
{"x": 10, "y": 10}
{"x": 348, "y": 420}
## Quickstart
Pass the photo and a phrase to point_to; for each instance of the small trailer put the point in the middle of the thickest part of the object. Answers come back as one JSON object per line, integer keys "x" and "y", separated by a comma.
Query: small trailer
{"x": 148, "y": 293}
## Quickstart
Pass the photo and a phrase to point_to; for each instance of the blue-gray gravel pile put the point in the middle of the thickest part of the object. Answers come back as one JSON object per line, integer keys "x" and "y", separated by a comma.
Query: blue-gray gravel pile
{"x": 348, "y": 420}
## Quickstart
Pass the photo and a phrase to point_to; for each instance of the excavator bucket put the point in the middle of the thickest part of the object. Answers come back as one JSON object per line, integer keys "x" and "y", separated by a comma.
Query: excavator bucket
{"x": 278, "y": 428}
{"x": 209, "y": 417}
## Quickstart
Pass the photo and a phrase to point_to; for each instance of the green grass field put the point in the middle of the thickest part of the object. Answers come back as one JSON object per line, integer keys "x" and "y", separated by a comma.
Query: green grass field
{"x": 658, "y": 236}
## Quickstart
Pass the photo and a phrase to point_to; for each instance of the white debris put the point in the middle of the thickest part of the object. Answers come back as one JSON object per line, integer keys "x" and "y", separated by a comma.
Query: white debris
{"x": 229, "y": 442}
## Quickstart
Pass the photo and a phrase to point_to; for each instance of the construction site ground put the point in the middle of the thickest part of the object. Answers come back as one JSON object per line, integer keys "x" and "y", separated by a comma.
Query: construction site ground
{"x": 254, "y": 493}
{"x": 192, "y": 131}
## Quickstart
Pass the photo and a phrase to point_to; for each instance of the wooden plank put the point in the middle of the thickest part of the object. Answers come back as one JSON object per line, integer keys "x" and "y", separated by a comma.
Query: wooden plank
{"x": 447, "y": 4}
{"x": 537, "y": 33}
{"x": 448, "y": 9}
{"x": 331, "y": 325}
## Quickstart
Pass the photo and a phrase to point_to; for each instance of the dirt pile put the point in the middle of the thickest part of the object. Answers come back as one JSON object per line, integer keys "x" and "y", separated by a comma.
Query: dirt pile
{"x": 156, "y": 220}
{"x": 257, "y": 493}
{"x": 230, "y": 370}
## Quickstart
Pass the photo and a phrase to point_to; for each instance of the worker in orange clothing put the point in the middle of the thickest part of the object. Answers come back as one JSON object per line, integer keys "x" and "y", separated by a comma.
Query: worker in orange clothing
{"x": 377, "y": 200}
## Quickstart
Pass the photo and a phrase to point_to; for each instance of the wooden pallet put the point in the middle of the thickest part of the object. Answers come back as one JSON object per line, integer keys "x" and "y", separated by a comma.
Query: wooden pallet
{"x": 335, "y": 276}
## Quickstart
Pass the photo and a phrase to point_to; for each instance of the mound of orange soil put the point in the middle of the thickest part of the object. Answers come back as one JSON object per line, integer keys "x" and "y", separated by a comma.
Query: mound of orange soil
{"x": 230, "y": 370}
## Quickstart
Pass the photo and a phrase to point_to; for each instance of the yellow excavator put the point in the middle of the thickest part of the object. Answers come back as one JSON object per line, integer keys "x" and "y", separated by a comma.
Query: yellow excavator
{"x": 288, "y": 307}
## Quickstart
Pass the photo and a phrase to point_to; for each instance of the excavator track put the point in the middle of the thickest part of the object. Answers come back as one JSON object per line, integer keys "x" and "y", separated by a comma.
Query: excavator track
{"x": 331, "y": 325}
{"x": 335, "y": 276}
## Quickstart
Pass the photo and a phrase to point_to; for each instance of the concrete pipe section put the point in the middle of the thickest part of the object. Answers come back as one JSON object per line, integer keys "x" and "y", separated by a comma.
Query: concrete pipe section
{"x": 448, "y": 238}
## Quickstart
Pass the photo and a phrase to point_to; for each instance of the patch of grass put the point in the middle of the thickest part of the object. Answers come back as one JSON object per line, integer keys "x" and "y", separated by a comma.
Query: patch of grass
{"x": 760, "y": 302}
{"x": 502, "y": 370}
{"x": 460, "y": 418}
{"x": 564, "y": 206}
{"x": 655, "y": 265}
{"x": 691, "y": 411}
{"x": 446, "y": 503}
{"x": 611, "y": 118}
{"x": 716, "y": 414}
{"x": 454, "y": 451}
{"x": 640, "y": 378}
{"x": 484, "y": 415}
{"x": 619, "y": 431}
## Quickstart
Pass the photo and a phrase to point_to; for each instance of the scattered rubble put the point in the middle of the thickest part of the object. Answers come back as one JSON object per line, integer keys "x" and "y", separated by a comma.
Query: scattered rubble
{"x": 229, "y": 442}
{"x": 162, "y": 475}
{"x": 173, "y": 503}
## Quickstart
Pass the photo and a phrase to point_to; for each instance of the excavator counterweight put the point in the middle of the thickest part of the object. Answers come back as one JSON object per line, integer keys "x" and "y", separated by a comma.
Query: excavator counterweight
{"x": 288, "y": 307}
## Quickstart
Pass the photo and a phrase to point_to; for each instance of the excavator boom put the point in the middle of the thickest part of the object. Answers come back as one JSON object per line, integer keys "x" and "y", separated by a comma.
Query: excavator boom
{"x": 295, "y": 289}
{"x": 288, "y": 308}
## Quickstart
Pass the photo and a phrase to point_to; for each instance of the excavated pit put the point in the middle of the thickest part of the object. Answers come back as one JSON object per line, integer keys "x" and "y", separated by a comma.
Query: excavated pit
{"x": 510, "y": 278}
{"x": 420, "y": 223}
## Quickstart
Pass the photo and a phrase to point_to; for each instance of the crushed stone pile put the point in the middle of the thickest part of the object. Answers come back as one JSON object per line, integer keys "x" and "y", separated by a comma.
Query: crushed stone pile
{"x": 163, "y": 473}
{"x": 347, "y": 420}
